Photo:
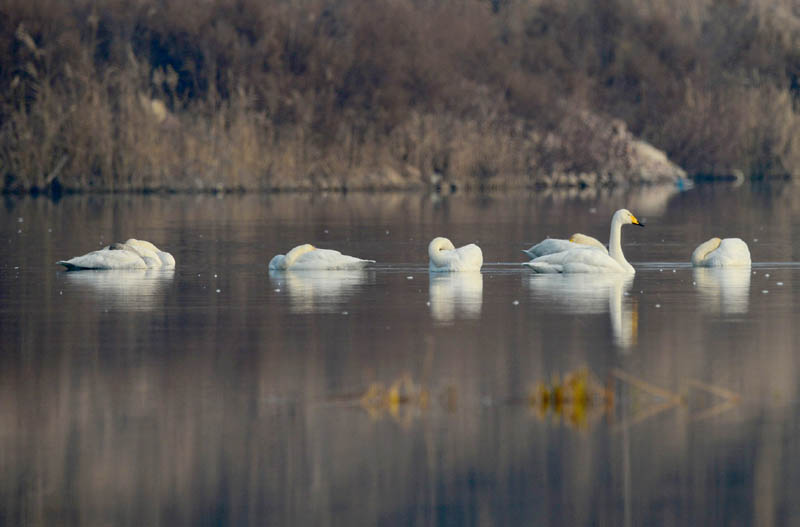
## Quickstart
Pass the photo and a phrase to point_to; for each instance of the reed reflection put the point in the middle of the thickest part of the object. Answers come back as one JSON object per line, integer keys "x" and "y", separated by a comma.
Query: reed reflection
{"x": 723, "y": 291}
{"x": 318, "y": 291}
{"x": 456, "y": 296}
{"x": 129, "y": 289}
{"x": 589, "y": 295}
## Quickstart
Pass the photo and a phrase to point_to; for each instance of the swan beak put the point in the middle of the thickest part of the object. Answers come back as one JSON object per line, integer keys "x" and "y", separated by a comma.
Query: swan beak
{"x": 635, "y": 221}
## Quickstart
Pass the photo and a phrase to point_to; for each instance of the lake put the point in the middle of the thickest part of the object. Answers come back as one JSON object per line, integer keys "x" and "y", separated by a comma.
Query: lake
{"x": 222, "y": 394}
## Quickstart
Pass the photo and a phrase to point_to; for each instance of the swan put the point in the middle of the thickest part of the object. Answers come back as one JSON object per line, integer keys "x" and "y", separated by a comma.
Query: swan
{"x": 730, "y": 252}
{"x": 555, "y": 245}
{"x": 308, "y": 257}
{"x": 588, "y": 259}
{"x": 132, "y": 254}
{"x": 444, "y": 257}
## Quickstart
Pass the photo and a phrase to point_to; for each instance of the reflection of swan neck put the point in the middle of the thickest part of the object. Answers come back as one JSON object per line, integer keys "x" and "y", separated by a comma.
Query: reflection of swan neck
{"x": 615, "y": 241}
{"x": 435, "y": 248}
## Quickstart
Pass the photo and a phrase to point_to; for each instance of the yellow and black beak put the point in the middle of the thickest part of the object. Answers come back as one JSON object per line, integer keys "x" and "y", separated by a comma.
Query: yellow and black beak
{"x": 634, "y": 221}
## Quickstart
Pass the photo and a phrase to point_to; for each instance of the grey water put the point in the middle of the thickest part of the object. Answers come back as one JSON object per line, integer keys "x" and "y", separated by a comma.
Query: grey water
{"x": 222, "y": 394}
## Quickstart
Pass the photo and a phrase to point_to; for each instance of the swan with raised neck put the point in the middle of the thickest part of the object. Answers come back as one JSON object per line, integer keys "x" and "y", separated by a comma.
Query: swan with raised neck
{"x": 583, "y": 259}
{"x": 620, "y": 218}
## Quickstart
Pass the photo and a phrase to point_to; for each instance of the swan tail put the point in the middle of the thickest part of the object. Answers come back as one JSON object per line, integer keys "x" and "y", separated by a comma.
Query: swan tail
{"x": 68, "y": 265}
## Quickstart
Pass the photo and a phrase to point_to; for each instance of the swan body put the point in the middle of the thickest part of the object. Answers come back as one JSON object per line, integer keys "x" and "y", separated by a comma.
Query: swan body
{"x": 730, "y": 252}
{"x": 555, "y": 245}
{"x": 308, "y": 257}
{"x": 132, "y": 254}
{"x": 590, "y": 259}
{"x": 444, "y": 257}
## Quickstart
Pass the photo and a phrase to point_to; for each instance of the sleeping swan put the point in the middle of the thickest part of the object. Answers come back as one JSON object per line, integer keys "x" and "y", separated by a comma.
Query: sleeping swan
{"x": 308, "y": 257}
{"x": 730, "y": 252}
{"x": 444, "y": 257}
{"x": 133, "y": 254}
{"x": 555, "y": 245}
{"x": 588, "y": 259}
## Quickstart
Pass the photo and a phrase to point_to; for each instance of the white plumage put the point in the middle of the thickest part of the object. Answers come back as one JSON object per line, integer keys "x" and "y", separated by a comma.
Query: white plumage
{"x": 308, "y": 257}
{"x": 555, "y": 245}
{"x": 133, "y": 254}
{"x": 589, "y": 259}
{"x": 444, "y": 257}
{"x": 730, "y": 252}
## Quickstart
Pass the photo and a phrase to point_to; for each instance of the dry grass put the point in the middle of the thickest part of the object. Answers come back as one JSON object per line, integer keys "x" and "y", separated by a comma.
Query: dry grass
{"x": 325, "y": 94}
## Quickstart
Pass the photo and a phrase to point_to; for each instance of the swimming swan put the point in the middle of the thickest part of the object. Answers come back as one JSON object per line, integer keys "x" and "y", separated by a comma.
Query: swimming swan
{"x": 555, "y": 245}
{"x": 444, "y": 257}
{"x": 588, "y": 259}
{"x": 308, "y": 257}
{"x": 730, "y": 252}
{"x": 133, "y": 254}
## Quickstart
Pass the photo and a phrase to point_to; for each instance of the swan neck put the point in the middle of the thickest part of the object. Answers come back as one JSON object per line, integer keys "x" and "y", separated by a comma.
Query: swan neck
{"x": 615, "y": 242}
{"x": 435, "y": 251}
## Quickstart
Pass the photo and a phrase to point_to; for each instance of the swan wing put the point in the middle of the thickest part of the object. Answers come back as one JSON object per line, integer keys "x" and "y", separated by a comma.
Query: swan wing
{"x": 105, "y": 259}
{"x": 466, "y": 258}
{"x": 470, "y": 257}
{"x": 732, "y": 252}
{"x": 549, "y": 246}
{"x": 328, "y": 259}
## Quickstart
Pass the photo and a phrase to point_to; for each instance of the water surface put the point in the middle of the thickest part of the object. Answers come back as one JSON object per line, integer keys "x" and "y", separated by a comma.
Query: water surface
{"x": 220, "y": 393}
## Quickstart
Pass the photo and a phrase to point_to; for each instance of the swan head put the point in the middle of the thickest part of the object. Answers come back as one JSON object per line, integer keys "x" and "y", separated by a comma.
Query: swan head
{"x": 626, "y": 217}
{"x": 438, "y": 245}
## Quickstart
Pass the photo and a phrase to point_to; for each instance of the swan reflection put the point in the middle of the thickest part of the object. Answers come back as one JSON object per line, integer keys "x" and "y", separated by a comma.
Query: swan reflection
{"x": 318, "y": 291}
{"x": 591, "y": 294}
{"x": 134, "y": 289}
{"x": 456, "y": 295}
{"x": 723, "y": 291}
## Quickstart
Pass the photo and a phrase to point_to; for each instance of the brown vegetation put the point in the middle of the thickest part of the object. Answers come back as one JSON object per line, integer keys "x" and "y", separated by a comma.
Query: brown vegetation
{"x": 356, "y": 94}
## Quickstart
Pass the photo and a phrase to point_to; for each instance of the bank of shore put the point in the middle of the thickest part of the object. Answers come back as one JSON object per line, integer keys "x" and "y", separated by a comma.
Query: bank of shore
{"x": 220, "y": 96}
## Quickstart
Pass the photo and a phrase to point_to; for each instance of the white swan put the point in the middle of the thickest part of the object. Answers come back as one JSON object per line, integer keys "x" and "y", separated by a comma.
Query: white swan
{"x": 444, "y": 257}
{"x": 308, "y": 257}
{"x": 730, "y": 252}
{"x": 588, "y": 259}
{"x": 133, "y": 254}
{"x": 555, "y": 245}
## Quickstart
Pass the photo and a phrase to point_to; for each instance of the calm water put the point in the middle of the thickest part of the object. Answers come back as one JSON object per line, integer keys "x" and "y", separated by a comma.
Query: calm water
{"x": 222, "y": 394}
